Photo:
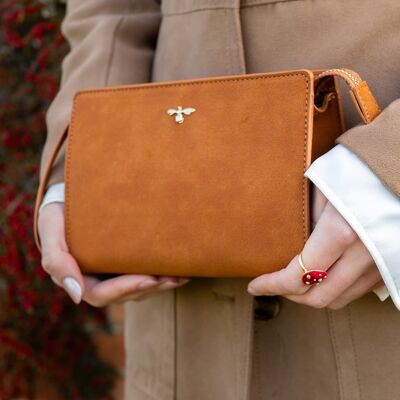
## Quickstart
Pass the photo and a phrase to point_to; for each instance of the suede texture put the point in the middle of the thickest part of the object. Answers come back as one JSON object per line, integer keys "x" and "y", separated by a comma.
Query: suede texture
{"x": 205, "y": 193}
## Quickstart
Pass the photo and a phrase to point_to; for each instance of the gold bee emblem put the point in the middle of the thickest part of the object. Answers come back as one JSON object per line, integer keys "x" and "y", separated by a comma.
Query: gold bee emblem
{"x": 179, "y": 113}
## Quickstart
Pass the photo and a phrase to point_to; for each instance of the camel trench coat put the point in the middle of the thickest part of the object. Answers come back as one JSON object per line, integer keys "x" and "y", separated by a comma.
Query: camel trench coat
{"x": 201, "y": 342}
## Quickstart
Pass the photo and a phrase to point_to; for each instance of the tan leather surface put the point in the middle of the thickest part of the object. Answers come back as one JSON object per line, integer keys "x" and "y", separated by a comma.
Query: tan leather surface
{"x": 368, "y": 108}
{"x": 216, "y": 195}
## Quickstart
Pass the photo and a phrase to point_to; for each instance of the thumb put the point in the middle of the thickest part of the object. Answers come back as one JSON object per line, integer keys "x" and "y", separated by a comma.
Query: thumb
{"x": 65, "y": 272}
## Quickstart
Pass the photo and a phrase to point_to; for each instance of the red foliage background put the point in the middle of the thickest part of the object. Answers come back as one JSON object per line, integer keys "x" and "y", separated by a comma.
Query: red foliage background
{"x": 43, "y": 336}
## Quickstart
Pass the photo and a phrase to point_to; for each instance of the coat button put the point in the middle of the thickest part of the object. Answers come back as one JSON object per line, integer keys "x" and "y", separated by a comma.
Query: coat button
{"x": 266, "y": 307}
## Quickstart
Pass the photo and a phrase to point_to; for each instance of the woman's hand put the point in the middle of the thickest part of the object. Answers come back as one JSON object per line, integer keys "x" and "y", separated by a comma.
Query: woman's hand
{"x": 65, "y": 272}
{"x": 332, "y": 245}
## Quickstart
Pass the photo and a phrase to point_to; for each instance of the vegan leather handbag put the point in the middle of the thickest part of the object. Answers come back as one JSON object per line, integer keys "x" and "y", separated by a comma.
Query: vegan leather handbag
{"x": 199, "y": 177}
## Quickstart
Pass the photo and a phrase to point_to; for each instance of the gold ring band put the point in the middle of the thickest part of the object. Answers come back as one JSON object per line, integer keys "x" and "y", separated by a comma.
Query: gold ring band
{"x": 305, "y": 270}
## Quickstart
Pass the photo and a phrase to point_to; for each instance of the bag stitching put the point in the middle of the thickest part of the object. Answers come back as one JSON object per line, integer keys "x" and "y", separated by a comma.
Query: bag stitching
{"x": 306, "y": 122}
{"x": 365, "y": 109}
{"x": 362, "y": 99}
{"x": 177, "y": 84}
{"x": 180, "y": 84}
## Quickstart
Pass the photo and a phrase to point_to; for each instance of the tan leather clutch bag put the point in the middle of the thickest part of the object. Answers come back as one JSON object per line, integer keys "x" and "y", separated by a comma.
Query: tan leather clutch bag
{"x": 201, "y": 177}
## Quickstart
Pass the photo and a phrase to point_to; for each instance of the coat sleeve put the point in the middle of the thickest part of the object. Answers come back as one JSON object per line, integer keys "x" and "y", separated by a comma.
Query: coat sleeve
{"x": 370, "y": 208}
{"x": 378, "y": 145}
{"x": 111, "y": 42}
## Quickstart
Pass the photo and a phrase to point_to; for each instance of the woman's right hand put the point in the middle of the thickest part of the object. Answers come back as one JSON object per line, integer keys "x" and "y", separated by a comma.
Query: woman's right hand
{"x": 65, "y": 272}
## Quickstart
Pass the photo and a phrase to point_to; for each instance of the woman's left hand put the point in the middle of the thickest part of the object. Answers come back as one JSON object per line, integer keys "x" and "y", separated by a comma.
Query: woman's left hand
{"x": 333, "y": 247}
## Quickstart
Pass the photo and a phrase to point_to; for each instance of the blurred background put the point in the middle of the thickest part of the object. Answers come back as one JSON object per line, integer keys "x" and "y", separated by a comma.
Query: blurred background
{"x": 49, "y": 348}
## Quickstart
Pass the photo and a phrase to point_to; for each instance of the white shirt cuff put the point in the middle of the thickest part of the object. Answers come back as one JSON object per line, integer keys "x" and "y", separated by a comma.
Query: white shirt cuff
{"x": 55, "y": 193}
{"x": 370, "y": 208}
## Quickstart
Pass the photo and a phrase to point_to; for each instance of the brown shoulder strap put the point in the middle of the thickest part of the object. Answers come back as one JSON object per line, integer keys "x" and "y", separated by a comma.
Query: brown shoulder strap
{"x": 362, "y": 97}
{"x": 360, "y": 93}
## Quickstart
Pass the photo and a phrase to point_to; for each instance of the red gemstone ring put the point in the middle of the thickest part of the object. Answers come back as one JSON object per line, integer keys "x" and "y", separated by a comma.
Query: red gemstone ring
{"x": 313, "y": 276}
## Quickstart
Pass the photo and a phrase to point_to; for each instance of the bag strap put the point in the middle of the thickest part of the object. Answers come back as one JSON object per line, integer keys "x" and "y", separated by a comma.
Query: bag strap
{"x": 360, "y": 93}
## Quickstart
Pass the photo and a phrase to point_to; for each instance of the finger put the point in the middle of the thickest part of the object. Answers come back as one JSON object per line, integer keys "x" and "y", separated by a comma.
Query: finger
{"x": 64, "y": 272}
{"x": 330, "y": 238}
{"x": 318, "y": 202}
{"x": 174, "y": 279}
{"x": 51, "y": 226}
{"x": 364, "y": 285}
{"x": 139, "y": 296}
{"x": 354, "y": 264}
{"x": 100, "y": 293}
{"x": 165, "y": 284}
{"x": 56, "y": 260}
{"x": 56, "y": 281}
{"x": 285, "y": 281}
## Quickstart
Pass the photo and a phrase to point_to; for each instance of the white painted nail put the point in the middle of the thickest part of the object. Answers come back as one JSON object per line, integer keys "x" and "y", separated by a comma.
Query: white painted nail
{"x": 73, "y": 288}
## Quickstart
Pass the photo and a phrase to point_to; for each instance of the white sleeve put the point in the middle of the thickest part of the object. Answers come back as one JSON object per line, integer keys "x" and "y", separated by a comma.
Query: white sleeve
{"x": 370, "y": 208}
{"x": 55, "y": 193}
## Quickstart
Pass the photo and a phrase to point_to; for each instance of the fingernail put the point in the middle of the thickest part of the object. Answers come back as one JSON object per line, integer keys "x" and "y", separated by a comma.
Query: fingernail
{"x": 147, "y": 284}
{"x": 73, "y": 288}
